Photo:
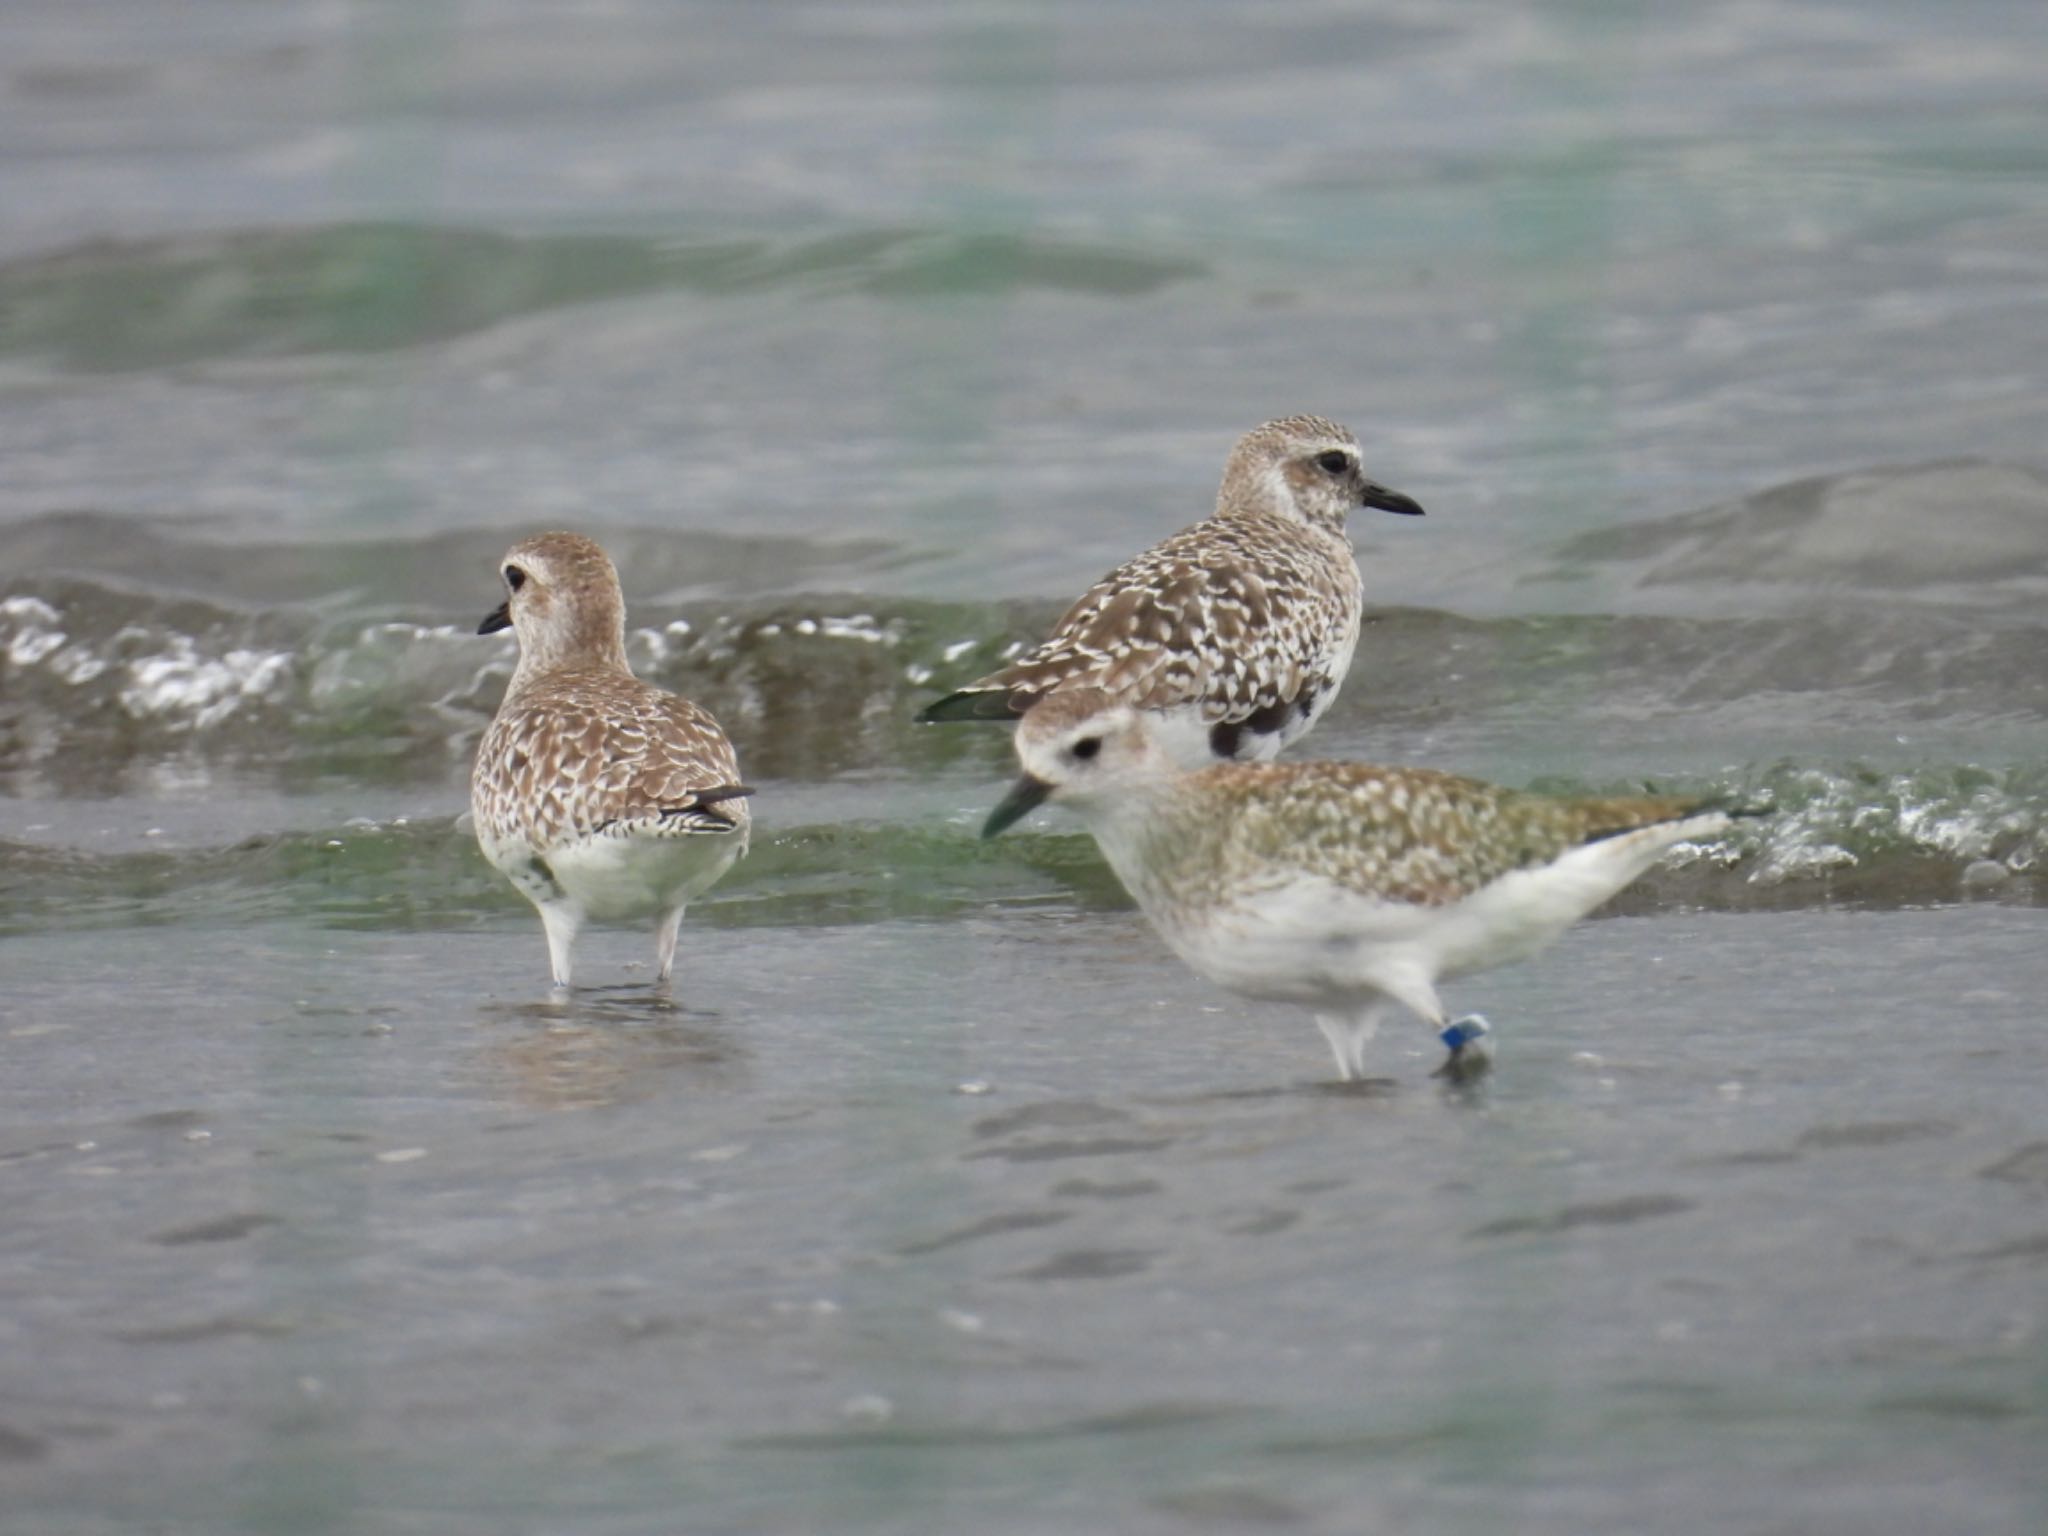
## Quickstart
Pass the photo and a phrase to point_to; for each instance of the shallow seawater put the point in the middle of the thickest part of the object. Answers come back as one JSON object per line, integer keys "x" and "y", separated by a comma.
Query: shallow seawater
{"x": 936, "y": 1196}
{"x": 1008, "y": 1220}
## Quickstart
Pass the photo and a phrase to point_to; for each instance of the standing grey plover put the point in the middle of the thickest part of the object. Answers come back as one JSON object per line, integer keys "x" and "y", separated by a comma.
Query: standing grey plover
{"x": 1345, "y": 886}
{"x": 598, "y": 795}
{"x": 1237, "y": 631}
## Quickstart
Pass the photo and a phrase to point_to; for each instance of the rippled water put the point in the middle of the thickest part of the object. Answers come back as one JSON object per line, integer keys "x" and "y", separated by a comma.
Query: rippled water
{"x": 1713, "y": 340}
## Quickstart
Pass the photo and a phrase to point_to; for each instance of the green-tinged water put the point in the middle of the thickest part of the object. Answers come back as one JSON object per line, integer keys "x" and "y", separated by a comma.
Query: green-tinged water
{"x": 936, "y": 1196}
{"x": 375, "y": 287}
{"x": 1857, "y": 838}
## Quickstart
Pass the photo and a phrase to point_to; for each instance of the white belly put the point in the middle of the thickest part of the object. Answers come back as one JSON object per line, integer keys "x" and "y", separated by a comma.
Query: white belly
{"x": 1308, "y": 940}
{"x": 613, "y": 878}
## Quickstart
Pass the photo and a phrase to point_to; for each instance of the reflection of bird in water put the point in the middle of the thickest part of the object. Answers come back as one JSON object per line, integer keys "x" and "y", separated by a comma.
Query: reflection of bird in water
{"x": 597, "y": 1051}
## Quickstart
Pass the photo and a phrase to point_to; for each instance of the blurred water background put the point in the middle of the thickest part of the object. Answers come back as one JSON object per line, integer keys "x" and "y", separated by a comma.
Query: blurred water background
{"x": 1715, "y": 340}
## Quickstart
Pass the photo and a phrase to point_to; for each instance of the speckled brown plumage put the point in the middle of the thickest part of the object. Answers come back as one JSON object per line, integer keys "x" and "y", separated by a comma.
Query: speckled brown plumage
{"x": 1233, "y": 616}
{"x": 584, "y": 751}
{"x": 1239, "y": 629}
{"x": 1409, "y": 835}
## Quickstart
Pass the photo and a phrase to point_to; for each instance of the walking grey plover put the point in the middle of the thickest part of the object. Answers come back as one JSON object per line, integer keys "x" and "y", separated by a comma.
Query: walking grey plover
{"x": 598, "y": 795}
{"x": 1345, "y": 886}
{"x": 1237, "y": 631}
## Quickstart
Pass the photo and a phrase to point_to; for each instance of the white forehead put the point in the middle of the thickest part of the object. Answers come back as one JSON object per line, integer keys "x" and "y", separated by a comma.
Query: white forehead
{"x": 1053, "y": 729}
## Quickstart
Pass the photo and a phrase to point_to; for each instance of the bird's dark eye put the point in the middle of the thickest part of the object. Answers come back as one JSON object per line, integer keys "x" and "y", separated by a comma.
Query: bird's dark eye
{"x": 1333, "y": 461}
{"x": 515, "y": 578}
{"x": 1087, "y": 747}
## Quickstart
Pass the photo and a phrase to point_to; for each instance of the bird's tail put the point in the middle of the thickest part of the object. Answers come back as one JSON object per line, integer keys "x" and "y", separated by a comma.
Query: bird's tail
{"x": 1614, "y": 817}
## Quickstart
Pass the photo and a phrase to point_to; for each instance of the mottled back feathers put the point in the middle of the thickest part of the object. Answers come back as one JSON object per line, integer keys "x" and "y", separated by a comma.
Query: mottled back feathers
{"x": 580, "y": 747}
{"x": 583, "y": 751}
{"x": 1409, "y": 835}
{"x": 1231, "y": 616}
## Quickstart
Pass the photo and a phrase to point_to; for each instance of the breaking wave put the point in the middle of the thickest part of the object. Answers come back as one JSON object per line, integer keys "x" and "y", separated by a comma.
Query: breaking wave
{"x": 1901, "y": 733}
{"x": 1852, "y": 838}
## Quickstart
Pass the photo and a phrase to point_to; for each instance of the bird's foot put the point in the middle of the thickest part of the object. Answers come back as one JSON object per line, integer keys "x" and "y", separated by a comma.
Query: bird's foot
{"x": 1471, "y": 1052}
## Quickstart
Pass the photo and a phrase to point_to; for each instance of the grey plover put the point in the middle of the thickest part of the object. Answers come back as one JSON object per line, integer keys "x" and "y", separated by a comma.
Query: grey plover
{"x": 1237, "y": 631}
{"x": 1348, "y": 887}
{"x": 598, "y": 795}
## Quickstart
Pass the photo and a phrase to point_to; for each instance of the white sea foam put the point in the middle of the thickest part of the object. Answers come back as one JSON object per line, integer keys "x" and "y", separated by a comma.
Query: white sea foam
{"x": 35, "y": 632}
{"x": 190, "y": 690}
{"x": 864, "y": 627}
{"x": 658, "y": 645}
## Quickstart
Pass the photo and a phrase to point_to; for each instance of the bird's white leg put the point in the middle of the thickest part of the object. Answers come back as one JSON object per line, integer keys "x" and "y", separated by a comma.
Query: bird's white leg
{"x": 1416, "y": 992}
{"x": 1349, "y": 1034}
{"x": 1336, "y": 1029}
{"x": 665, "y": 943}
{"x": 562, "y": 922}
{"x": 1364, "y": 1025}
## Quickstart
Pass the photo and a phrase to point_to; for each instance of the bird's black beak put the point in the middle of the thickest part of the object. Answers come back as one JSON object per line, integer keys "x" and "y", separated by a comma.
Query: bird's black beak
{"x": 499, "y": 618}
{"x": 1025, "y": 796}
{"x": 1388, "y": 501}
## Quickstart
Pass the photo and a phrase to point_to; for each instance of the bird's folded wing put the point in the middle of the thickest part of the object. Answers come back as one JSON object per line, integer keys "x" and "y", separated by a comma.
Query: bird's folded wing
{"x": 1175, "y": 626}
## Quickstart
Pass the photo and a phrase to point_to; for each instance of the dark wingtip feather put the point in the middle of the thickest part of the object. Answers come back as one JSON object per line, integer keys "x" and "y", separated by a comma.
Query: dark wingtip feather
{"x": 972, "y": 704}
{"x": 1636, "y": 815}
{"x": 703, "y": 809}
{"x": 723, "y": 792}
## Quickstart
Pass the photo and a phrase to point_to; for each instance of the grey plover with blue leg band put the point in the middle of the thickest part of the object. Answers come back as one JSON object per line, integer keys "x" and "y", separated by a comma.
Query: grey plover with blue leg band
{"x": 1348, "y": 887}
{"x": 1237, "y": 631}
{"x": 598, "y": 795}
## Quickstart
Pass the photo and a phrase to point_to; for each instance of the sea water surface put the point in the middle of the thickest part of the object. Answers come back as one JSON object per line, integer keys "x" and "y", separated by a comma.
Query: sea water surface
{"x": 935, "y": 1195}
